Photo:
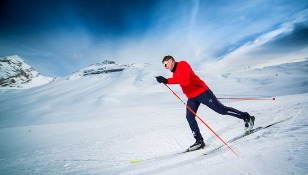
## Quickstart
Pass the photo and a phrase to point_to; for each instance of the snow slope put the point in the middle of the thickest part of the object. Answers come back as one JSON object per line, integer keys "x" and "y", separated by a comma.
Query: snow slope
{"x": 95, "y": 124}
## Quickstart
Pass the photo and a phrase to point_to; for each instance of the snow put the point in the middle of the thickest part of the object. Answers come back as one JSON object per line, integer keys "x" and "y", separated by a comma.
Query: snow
{"x": 96, "y": 124}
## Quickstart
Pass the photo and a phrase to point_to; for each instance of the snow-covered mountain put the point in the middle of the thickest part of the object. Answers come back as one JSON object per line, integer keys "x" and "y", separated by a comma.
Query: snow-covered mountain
{"x": 14, "y": 72}
{"x": 95, "y": 124}
{"x": 99, "y": 68}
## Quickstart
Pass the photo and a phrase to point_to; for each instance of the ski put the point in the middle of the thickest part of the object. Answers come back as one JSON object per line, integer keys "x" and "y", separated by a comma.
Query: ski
{"x": 244, "y": 135}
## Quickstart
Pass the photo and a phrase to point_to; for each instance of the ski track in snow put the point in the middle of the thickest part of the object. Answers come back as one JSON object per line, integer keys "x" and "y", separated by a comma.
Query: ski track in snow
{"x": 96, "y": 124}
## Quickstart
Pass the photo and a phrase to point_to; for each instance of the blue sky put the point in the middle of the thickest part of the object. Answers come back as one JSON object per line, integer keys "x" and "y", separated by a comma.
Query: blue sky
{"x": 58, "y": 37}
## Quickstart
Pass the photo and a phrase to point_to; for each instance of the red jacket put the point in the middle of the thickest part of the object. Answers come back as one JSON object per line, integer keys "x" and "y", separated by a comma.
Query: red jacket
{"x": 191, "y": 84}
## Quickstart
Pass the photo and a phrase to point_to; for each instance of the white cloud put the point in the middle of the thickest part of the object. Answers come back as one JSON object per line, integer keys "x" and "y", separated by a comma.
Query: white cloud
{"x": 260, "y": 52}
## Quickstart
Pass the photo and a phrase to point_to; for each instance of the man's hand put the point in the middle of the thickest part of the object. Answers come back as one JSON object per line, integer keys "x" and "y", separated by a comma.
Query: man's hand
{"x": 161, "y": 79}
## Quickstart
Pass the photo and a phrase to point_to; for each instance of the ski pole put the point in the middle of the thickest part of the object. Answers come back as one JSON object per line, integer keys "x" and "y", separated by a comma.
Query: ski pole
{"x": 252, "y": 98}
{"x": 201, "y": 120}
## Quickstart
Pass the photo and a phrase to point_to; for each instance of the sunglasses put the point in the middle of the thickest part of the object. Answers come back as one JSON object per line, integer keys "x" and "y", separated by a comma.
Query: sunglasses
{"x": 166, "y": 63}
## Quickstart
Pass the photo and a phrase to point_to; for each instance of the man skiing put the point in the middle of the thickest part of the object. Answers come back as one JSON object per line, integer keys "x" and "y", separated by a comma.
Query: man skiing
{"x": 198, "y": 92}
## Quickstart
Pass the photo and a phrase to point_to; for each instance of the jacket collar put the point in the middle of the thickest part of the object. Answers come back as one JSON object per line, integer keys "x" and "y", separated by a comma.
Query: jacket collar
{"x": 174, "y": 68}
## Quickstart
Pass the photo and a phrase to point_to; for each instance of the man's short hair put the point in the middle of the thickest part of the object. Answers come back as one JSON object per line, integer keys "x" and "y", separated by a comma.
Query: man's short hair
{"x": 168, "y": 57}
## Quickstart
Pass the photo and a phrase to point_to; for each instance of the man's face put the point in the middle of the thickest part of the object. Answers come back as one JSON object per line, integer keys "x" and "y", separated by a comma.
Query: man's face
{"x": 169, "y": 64}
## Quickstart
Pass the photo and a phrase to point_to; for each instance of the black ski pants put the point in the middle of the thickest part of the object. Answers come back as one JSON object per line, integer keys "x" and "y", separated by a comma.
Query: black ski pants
{"x": 209, "y": 99}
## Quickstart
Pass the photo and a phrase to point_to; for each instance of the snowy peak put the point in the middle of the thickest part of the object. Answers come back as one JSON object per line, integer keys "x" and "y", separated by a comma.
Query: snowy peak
{"x": 99, "y": 68}
{"x": 104, "y": 67}
{"x": 14, "y": 72}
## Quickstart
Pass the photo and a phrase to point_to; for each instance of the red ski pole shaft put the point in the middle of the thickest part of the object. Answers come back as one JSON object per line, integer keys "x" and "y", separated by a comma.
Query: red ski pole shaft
{"x": 249, "y": 98}
{"x": 202, "y": 120}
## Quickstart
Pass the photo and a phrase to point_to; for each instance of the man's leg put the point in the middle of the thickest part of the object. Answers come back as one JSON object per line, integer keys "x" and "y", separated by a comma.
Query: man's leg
{"x": 194, "y": 105}
{"x": 209, "y": 99}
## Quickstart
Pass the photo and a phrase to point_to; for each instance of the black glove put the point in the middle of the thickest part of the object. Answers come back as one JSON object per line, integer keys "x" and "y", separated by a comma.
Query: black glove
{"x": 161, "y": 79}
